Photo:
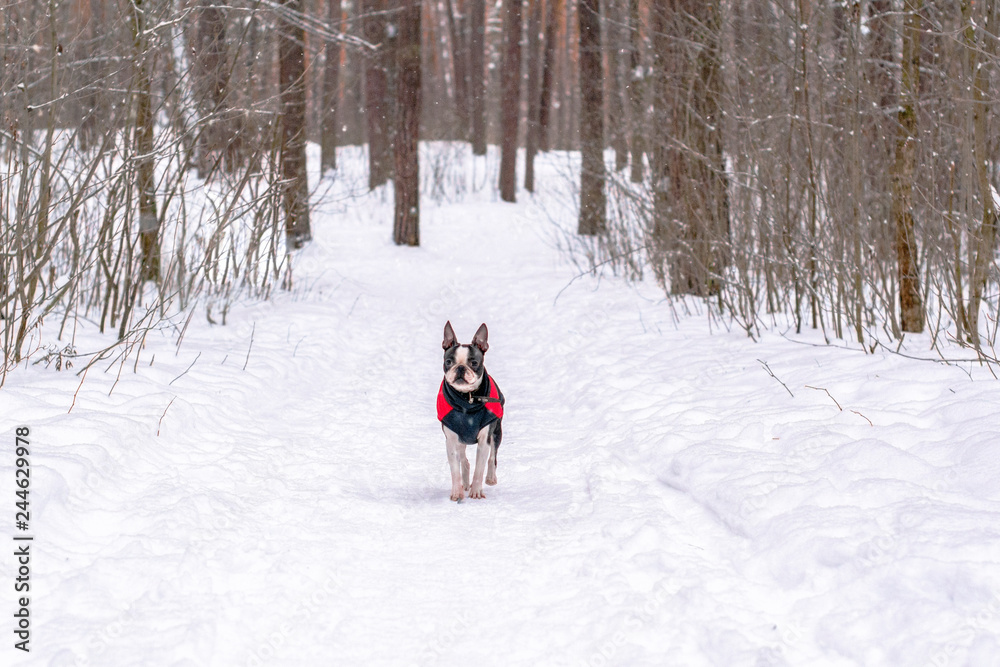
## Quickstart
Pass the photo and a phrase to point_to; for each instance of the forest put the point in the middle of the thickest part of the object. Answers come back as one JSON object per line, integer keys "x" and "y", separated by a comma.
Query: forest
{"x": 732, "y": 266}
{"x": 824, "y": 164}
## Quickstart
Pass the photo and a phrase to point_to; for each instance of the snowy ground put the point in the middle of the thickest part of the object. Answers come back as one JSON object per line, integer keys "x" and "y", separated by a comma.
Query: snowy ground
{"x": 275, "y": 491}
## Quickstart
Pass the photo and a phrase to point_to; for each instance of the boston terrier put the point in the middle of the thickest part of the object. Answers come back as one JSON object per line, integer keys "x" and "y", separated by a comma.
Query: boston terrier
{"x": 470, "y": 409}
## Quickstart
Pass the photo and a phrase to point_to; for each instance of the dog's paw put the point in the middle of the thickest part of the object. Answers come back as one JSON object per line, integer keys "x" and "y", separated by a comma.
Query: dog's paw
{"x": 457, "y": 494}
{"x": 477, "y": 492}
{"x": 492, "y": 481}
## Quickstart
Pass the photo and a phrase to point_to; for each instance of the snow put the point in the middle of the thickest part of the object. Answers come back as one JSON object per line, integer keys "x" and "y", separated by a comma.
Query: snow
{"x": 275, "y": 491}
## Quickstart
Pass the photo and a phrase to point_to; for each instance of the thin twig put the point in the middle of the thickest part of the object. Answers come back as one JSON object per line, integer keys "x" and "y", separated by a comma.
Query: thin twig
{"x": 159, "y": 423}
{"x": 180, "y": 338}
{"x": 185, "y": 370}
{"x": 828, "y": 394}
{"x": 78, "y": 389}
{"x": 863, "y": 417}
{"x": 877, "y": 344}
{"x": 592, "y": 271}
{"x": 252, "y": 330}
{"x": 771, "y": 373}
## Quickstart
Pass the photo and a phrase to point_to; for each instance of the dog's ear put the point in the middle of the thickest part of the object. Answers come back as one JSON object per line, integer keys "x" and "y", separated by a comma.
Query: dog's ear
{"x": 479, "y": 340}
{"x": 449, "y": 336}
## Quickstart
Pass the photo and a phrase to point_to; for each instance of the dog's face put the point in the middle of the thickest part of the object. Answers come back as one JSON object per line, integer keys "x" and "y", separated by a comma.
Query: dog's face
{"x": 463, "y": 364}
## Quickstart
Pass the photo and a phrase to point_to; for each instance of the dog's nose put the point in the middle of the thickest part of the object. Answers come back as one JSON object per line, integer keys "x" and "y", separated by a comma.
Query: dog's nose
{"x": 460, "y": 371}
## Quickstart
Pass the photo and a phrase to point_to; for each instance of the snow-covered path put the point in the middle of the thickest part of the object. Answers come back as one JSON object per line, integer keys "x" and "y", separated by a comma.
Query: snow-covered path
{"x": 275, "y": 491}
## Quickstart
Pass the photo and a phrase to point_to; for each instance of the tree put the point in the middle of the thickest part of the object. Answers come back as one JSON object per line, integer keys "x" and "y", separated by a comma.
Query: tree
{"x": 881, "y": 98}
{"x": 459, "y": 66}
{"x": 406, "y": 227}
{"x": 691, "y": 207}
{"x": 635, "y": 88}
{"x": 592, "y": 173}
{"x": 377, "y": 104}
{"x": 93, "y": 99}
{"x": 209, "y": 52}
{"x": 804, "y": 111}
{"x": 331, "y": 91}
{"x": 616, "y": 38}
{"x": 910, "y": 304}
{"x": 854, "y": 160}
{"x": 149, "y": 222}
{"x": 291, "y": 75}
{"x": 510, "y": 76}
{"x": 548, "y": 67}
{"x": 477, "y": 73}
{"x": 534, "y": 94}
{"x": 980, "y": 31}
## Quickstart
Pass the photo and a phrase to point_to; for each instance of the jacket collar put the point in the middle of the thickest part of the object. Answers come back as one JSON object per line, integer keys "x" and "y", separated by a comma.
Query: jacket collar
{"x": 466, "y": 401}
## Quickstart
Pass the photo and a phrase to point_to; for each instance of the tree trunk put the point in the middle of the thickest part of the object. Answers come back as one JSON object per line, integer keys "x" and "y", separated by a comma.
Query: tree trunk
{"x": 615, "y": 37}
{"x": 691, "y": 206}
{"x": 331, "y": 91}
{"x": 212, "y": 84}
{"x": 710, "y": 144}
{"x": 477, "y": 74}
{"x": 460, "y": 65}
{"x": 910, "y": 303}
{"x": 663, "y": 232}
{"x": 252, "y": 145}
{"x": 980, "y": 39}
{"x": 881, "y": 102}
{"x": 593, "y": 204}
{"x": 510, "y": 73}
{"x": 291, "y": 65}
{"x": 635, "y": 88}
{"x": 149, "y": 222}
{"x": 881, "y": 48}
{"x": 92, "y": 96}
{"x": 804, "y": 11}
{"x": 534, "y": 94}
{"x": 354, "y": 118}
{"x": 548, "y": 67}
{"x": 569, "y": 96}
{"x": 376, "y": 97}
{"x": 855, "y": 165}
{"x": 406, "y": 226}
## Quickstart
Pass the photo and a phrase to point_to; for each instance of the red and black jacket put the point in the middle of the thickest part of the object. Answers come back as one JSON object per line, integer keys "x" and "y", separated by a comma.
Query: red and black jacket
{"x": 467, "y": 413}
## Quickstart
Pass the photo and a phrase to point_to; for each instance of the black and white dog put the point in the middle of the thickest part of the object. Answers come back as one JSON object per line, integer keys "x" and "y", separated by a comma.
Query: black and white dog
{"x": 470, "y": 409}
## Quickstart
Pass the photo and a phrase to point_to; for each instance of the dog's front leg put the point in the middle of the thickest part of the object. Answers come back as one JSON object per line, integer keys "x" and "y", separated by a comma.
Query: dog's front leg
{"x": 491, "y": 466}
{"x": 483, "y": 448}
{"x": 456, "y": 454}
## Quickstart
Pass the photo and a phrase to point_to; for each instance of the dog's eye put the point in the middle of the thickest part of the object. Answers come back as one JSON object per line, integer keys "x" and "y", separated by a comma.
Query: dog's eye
{"x": 449, "y": 362}
{"x": 473, "y": 364}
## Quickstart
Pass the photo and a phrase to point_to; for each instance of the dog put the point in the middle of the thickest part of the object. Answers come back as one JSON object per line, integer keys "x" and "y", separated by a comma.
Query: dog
{"x": 470, "y": 409}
